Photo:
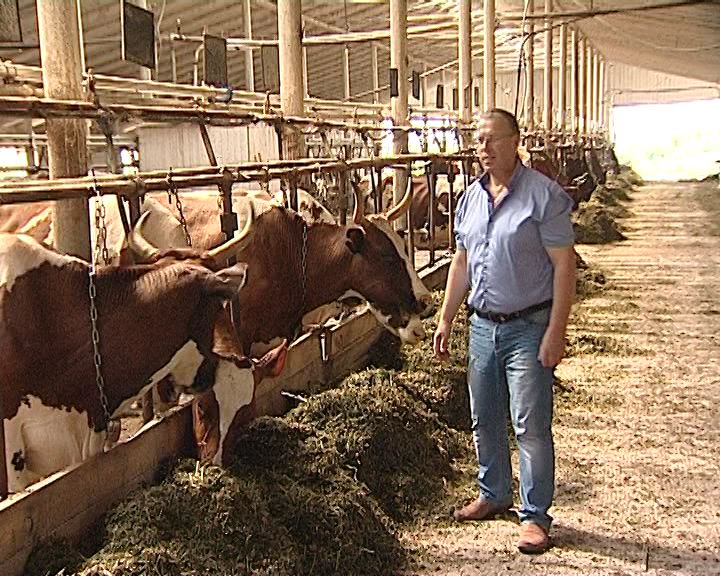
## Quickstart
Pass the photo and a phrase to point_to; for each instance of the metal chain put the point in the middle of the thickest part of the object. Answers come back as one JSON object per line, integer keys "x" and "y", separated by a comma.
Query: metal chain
{"x": 173, "y": 193}
{"x": 100, "y": 249}
{"x": 303, "y": 264}
{"x": 99, "y": 380}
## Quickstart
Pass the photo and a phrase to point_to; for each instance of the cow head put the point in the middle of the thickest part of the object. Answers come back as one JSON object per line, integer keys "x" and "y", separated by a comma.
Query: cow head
{"x": 220, "y": 414}
{"x": 384, "y": 274}
{"x": 210, "y": 284}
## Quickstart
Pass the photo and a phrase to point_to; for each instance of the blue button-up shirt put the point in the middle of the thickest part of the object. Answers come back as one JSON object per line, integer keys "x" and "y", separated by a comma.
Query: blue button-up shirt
{"x": 508, "y": 266}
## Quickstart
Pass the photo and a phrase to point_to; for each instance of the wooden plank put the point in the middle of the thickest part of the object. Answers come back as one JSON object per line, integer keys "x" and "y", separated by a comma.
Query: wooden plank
{"x": 67, "y": 503}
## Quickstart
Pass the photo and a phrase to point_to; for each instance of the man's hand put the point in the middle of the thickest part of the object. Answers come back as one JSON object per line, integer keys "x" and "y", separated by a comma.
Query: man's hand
{"x": 441, "y": 341}
{"x": 552, "y": 348}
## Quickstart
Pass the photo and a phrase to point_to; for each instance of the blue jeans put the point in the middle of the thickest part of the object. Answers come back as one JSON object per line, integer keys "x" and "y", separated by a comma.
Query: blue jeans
{"x": 503, "y": 370}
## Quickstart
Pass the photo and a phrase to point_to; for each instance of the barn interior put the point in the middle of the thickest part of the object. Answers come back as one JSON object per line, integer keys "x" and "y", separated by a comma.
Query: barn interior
{"x": 134, "y": 97}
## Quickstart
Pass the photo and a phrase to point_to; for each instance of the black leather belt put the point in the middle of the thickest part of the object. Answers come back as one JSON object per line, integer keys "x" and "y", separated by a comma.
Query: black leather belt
{"x": 501, "y": 318}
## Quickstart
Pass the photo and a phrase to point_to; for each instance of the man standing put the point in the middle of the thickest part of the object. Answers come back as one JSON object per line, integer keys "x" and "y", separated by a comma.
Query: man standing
{"x": 515, "y": 256}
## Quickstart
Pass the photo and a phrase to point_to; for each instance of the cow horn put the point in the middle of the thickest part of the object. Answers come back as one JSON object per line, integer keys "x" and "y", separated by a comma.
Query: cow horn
{"x": 396, "y": 211}
{"x": 143, "y": 250}
{"x": 224, "y": 251}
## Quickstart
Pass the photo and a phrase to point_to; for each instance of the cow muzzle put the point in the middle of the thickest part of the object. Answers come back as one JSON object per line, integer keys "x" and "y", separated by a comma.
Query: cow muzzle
{"x": 413, "y": 333}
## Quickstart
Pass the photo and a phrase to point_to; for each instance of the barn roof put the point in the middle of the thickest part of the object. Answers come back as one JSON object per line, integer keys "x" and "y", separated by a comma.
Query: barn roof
{"x": 682, "y": 38}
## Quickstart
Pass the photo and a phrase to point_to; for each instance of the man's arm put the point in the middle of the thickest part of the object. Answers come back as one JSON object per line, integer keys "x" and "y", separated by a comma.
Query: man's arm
{"x": 552, "y": 347}
{"x": 455, "y": 290}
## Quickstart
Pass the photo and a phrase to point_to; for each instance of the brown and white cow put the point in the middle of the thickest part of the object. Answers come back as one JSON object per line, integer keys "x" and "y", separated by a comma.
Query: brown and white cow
{"x": 419, "y": 211}
{"x": 153, "y": 320}
{"x": 298, "y": 266}
{"x": 220, "y": 414}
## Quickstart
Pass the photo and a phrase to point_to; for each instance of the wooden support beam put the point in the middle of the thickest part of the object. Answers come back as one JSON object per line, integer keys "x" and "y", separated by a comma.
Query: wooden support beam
{"x": 530, "y": 82}
{"x": 465, "y": 59}
{"x": 574, "y": 109}
{"x": 562, "y": 80}
{"x": 67, "y": 138}
{"x": 399, "y": 103}
{"x": 489, "y": 55}
{"x": 249, "y": 60}
{"x": 548, "y": 95}
{"x": 291, "y": 72}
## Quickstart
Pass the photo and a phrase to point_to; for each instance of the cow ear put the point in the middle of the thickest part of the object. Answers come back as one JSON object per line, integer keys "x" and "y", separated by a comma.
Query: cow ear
{"x": 355, "y": 239}
{"x": 272, "y": 363}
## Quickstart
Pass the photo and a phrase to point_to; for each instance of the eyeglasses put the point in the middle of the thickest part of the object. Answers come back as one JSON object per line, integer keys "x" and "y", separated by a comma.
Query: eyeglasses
{"x": 491, "y": 139}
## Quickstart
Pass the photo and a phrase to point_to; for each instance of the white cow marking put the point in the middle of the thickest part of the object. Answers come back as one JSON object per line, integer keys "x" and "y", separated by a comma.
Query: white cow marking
{"x": 234, "y": 388}
{"x": 183, "y": 367}
{"x": 21, "y": 254}
{"x": 48, "y": 439}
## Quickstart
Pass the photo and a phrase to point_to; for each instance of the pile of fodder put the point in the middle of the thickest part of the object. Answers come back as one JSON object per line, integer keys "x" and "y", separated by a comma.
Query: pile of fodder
{"x": 595, "y": 224}
{"x": 279, "y": 510}
{"x": 614, "y": 202}
{"x": 588, "y": 280}
{"x": 628, "y": 177}
{"x": 376, "y": 426}
{"x": 440, "y": 386}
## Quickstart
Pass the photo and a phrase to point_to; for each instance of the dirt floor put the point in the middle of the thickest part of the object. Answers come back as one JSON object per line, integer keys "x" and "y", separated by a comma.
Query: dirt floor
{"x": 637, "y": 426}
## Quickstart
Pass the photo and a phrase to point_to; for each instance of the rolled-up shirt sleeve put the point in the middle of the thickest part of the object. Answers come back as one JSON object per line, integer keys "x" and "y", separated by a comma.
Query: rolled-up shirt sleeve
{"x": 556, "y": 229}
{"x": 458, "y": 227}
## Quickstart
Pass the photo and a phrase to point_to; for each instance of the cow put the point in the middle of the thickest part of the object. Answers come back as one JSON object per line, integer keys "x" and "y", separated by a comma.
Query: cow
{"x": 419, "y": 212}
{"x": 35, "y": 220}
{"x": 570, "y": 172}
{"x": 221, "y": 413}
{"x": 152, "y": 320}
{"x": 298, "y": 266}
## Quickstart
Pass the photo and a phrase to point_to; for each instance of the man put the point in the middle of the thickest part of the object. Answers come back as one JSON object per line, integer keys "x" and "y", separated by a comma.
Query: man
{"x": 515, "y": 256}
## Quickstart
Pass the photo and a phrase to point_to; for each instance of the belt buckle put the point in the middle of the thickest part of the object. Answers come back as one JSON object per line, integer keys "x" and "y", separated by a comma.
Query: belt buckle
{"x": 502, "y": 318}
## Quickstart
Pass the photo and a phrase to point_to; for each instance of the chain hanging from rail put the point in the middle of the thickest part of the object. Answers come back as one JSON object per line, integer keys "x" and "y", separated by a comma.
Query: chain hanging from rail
{"x": 173, "y": 195}
{"x": 100, "y": 249}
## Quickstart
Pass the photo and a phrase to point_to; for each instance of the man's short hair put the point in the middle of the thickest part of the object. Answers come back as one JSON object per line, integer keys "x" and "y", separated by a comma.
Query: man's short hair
{"x": 508, "y": 117}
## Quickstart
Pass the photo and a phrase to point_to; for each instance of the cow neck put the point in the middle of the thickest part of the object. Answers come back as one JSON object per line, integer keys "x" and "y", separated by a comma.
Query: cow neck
{"x": 328, "y": 265}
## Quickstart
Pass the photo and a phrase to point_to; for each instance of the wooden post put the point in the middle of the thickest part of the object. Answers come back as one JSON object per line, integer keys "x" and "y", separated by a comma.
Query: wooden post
{"x": 346, "y": 71}
{"x": 67, "y": 138}
{"x": 489, "y": 54}
{"x": 573, "y": 82}
{"x": 596, "y": 90}
{"x": 289, "y": 19}
{"x": 425, "y": 89}
{"x": 465, "y": 59}
{"x": 374, "y": 66}
{"x": 548, "y": 95}
{"x": 399, "y": 103}
{"x": 530, "y": 54}
{"x": 305, "y": 72}
{"x": 601, "y": 92}
{"x": 582, "y": 114}
{"x": 249, "y": 60}
{"x": 591, "y": 89}
{"x": 588, "y": 86}
{"x": 562, "y": 79}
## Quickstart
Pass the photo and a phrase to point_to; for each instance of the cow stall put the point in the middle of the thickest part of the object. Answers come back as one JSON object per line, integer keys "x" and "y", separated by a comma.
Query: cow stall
{"x": 319, "y": 357}
{"x": 68, "y": 502}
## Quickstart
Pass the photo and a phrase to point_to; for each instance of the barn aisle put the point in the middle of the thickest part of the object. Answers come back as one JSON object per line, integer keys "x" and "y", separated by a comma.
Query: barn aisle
{"x": 637, "y": 422}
